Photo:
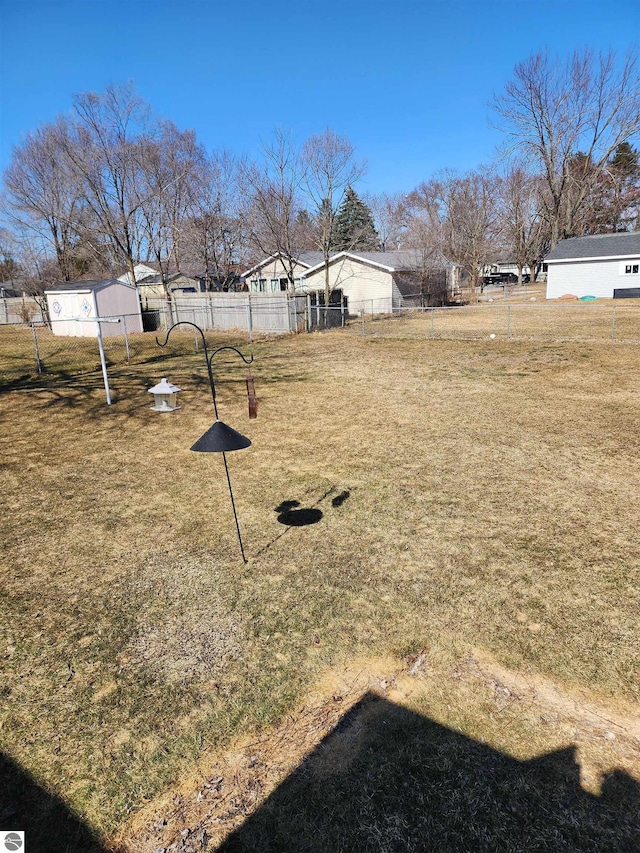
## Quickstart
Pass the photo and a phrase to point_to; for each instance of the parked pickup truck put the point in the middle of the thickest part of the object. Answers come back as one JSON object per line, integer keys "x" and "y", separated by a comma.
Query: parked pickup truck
{"x": 500, "y": 278}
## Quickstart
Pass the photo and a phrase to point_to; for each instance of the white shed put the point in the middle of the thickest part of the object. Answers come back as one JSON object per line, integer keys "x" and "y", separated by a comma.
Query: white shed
{"x": 602, "y": 265}
{"x": 74, "y": 307}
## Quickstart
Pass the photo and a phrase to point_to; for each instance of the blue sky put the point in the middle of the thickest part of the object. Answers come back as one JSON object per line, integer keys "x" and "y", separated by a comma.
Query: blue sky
{"x": 408, "y": 81}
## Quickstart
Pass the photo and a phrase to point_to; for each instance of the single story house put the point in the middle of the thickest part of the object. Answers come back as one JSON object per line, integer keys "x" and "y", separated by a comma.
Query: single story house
{"x": 602, "y": 265}
{"x": 270, "y": 275}
{"x": 141, "y": 271}
{"x": 75, "y": 306}
{"x": 151, "y": 285}
{"x": 379, "y": 282}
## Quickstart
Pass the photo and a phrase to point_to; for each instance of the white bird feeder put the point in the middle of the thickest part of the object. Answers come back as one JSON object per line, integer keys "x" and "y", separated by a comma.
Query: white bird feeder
{"x": 164, "y": 394}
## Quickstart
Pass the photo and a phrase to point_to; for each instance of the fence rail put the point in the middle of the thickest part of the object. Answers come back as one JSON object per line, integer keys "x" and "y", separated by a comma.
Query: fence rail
{"x": 29, "y": 350}
{"x": 510, "y": 321}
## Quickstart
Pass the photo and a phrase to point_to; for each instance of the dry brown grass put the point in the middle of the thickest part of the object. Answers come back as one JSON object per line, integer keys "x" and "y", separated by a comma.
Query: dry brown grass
{"x": 492, "y": 503}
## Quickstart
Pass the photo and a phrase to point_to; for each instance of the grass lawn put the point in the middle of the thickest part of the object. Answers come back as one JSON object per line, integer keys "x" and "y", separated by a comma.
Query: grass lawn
{"x": 492, "y": 504}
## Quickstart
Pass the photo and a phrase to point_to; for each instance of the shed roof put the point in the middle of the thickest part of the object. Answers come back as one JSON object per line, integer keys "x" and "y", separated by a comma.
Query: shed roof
{"x": 622, "y": 245}
{"x": 84, "y": 286}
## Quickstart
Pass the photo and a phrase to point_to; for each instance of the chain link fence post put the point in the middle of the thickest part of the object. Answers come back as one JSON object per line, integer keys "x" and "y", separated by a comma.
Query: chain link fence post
{"x": 35, "y": 344}
{"x": 126, "y": 338}
{"x": 508, "y": 322}
{"x": 613, "y": 323}
{"x": 249, "y": 319}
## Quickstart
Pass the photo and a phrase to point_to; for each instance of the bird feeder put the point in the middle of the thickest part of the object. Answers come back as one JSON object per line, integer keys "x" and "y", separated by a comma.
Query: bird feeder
{"x": 165, "y": 396}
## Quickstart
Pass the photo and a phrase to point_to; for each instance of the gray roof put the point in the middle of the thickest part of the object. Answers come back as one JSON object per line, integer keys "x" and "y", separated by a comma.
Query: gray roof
{"x": 157, "y": 278}
{"x": 402, "y": 260}
{"x": 308, "y": 259}
{"x": 405, "y": 259}
{"x": 597, "y": 246}
{"x": 74, "y": 286}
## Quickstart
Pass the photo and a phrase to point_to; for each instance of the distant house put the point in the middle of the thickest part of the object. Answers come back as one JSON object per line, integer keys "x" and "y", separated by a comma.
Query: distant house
{"x": 380, "y": 282}
{"x": 75, "y": 306}
{"x": 270, "y": 275}
{"x": 11, "y": 288}
{"x": 141, "y": 271}
{"x": 151, "y": 285}
{"x": 603, "y": 265}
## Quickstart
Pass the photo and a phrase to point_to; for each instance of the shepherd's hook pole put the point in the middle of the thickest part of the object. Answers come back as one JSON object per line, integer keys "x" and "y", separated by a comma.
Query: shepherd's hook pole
{"x": 209, "y": 358}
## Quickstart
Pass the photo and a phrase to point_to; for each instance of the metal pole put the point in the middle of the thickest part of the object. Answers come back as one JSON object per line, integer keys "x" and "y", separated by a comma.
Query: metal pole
{"x": 233, "y": 504}
{"x": 508, "y": 322}
{"x": 432, "y": 334}
{"x": 35, "y": 343}
{"x": 195, "y": 334}
{"x": 126, "y": 337}
{"x": 104, "y": 365}
{"x": 613, "y": 323}
{"x": 249, "y": 319}
{"x": 363, "y": 328}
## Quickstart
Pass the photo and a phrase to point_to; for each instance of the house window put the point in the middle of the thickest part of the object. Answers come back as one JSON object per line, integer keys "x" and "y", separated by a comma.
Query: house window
{"x": 258, "y": 285}
{"x": 284, "y": 284}
{"x": 631, "y": 269}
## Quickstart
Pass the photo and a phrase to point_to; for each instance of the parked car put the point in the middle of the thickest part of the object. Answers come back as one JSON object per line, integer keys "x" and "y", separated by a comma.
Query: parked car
{"x": 500, "y": 278}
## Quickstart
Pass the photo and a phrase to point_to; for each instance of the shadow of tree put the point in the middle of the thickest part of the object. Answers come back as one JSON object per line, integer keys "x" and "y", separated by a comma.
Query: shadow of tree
{"x": 388, "y": 779}
{"x": 50, "y": 826}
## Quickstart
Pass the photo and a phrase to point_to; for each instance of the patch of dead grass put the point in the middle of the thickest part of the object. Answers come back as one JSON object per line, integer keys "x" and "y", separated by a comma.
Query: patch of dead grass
{"x": 492, "y": 503}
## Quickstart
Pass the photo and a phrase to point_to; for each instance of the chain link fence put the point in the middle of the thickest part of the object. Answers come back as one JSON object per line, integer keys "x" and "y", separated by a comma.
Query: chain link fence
{"x": 30, "y": 351}
{"x": 518, "y": 321}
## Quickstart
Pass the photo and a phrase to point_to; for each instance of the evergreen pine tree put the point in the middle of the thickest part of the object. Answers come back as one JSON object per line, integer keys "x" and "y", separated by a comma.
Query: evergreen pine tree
{"x": 353, "y": 226}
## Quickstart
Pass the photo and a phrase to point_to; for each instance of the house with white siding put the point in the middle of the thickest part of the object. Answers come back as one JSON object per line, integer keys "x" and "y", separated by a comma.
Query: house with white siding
{"x": 379, "y": 282}
{"x": 602, "y": 265}
{"x": 271, "y": 274}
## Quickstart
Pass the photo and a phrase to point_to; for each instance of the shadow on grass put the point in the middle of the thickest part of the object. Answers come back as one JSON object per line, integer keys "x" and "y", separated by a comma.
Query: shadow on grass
{"x": 389, "y": 779}
{"x": 292, "y": 517}
{"x": 49, "y": 825}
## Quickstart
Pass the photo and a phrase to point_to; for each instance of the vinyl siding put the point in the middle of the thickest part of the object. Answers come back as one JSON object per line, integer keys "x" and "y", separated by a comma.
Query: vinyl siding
{"x": 365, "y": 286}
{"x": 275, "y": 268}
{"x": 589, "y": 278}
{"x": 117, "y": 301}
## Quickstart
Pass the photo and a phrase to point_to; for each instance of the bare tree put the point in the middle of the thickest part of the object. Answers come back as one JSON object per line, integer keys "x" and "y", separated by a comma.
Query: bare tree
{"x": 43, "y": 194}
{"x": 458, "y": 215}
{"x": 169, "y": 180}
{"x": 274, "y": 187}
{"x": 552, "y": 110}
{"x": 524, "y": 228}
{"x": 329, "y": 169}
{"x": 9, "y": 267}
{"x": 215, "y": 235}
{"x": 110, "y": 132}
{"x": 390, "y": 214}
